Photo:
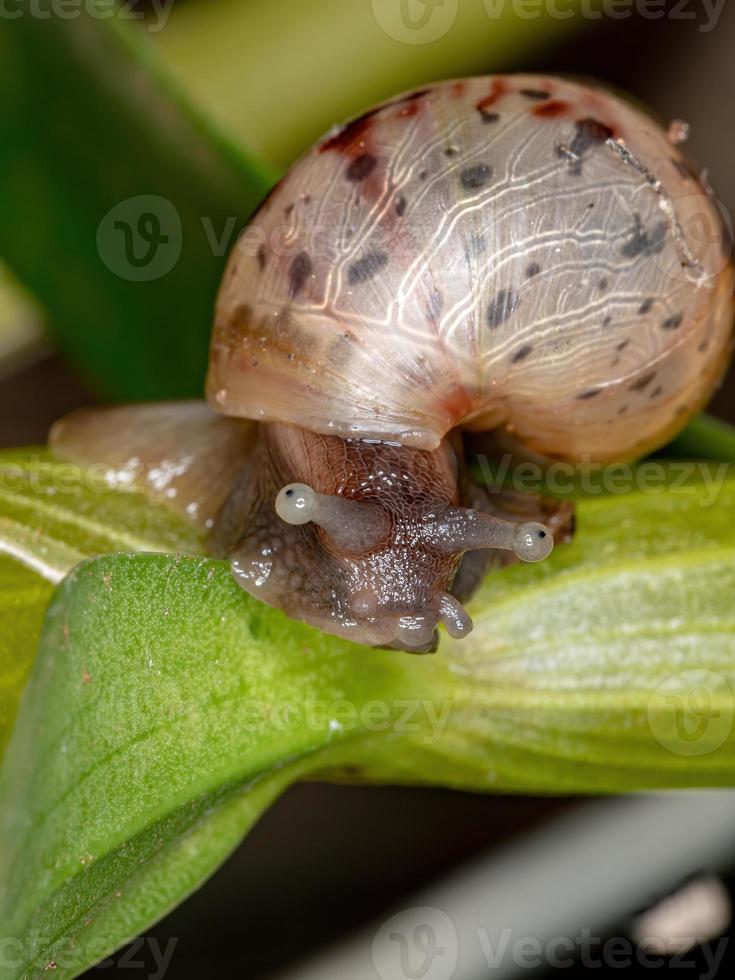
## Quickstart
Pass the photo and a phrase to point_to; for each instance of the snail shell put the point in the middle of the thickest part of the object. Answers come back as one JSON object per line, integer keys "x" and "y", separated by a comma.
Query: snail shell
{"x": 523, "y": 255}
{"x": 522, "y": 252}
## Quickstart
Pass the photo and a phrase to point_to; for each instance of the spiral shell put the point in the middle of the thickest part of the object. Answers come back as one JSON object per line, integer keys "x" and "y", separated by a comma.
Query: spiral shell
{"x": 521, "y": 252}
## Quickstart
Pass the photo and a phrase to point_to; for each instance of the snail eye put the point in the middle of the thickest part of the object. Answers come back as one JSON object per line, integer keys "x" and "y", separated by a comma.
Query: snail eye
{"x": 296, "y": 504}
{"x": 532, "y": 541}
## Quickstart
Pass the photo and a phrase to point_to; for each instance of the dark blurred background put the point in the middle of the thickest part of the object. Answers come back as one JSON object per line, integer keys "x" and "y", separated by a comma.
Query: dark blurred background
{"x": 327, "y": 859}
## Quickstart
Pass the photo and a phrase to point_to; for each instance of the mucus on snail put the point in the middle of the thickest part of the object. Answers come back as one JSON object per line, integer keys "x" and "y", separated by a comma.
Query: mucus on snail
{"x": 520, "y": 256}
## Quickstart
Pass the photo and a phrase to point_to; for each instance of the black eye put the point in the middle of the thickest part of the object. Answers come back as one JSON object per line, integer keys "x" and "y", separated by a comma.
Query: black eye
{"x": 542, "y": 534}
{"x": 289, "y": 493}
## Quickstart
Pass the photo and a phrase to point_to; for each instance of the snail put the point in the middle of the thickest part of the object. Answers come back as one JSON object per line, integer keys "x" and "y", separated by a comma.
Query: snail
{"x": 522, "y": 256}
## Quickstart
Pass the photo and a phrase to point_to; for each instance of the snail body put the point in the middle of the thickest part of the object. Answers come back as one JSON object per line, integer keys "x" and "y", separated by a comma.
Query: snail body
{"x": 521, "y": 254}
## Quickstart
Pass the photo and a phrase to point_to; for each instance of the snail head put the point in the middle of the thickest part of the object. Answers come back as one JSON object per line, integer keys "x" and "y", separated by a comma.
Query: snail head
{"x": 361, "y": 538}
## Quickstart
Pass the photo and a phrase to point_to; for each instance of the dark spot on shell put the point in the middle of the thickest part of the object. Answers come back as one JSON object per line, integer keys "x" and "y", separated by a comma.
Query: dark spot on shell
{"x": 423, "y": 174}
{"x": 343, "y": 139}
{"x": 499, "y": 88}
{"x": 401, "y": 205}
{"x": 646, "y": 306}
{"x": 502, "y": 307}
{"x": 451, "y": 151}
{"x": 535, "y": 94}
{"x": 673, "y": 322}
{"x": 241, "y": 317}
{"x": 288, "y": 335}
{"x": 410, "y": 108}
{"x": 552, "y": 109}
{"x": 353, "y": 132}
{"x": 622, "y": 345}
{"x": 533, "y": 270}
{"x": 361, "y": 167}
{"x": 590, "y": 393}
{"x": 607, "y": 321}
{"x": 643, "y": 242}
{"x": 288, "y": 210}
{"x": 622, "y": 410}
{"x": 643, "y": 382}
{"x": 473, "y": 178}
{"x": 260, "y": 255}
{"x": 587, "y": 134}
{"x": 656, "y": 391}
{"x": 703, "y": 346}
{"x": 299, "y": 271}
{"x": 603, "y": 284}
{"x": 365, "y": 268}
{"x": 521, "y": 354}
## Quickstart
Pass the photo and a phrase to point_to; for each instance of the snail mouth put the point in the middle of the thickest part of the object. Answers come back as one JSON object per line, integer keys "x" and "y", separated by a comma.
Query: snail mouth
{"x": 415, "y": 631}
{"x": 361, "y": 619}
{"x": 419, "y": 633}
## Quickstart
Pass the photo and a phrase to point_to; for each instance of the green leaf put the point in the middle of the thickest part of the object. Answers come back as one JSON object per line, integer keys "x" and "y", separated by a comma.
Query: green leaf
{"x": 23, "y": 600}
{"x": 167, "y": 708}
{"x": 52, "y": 516}
{"x": 90, "y": 122}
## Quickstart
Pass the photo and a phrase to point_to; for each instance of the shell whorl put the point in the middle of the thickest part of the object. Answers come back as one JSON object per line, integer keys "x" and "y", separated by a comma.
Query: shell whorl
{"x": 516, "y": 251}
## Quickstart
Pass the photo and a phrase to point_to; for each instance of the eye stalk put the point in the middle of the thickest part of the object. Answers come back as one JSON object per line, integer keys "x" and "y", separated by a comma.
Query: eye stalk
{"x": 352, "y": 526}
{"x": 359, "y": 526}
{"x": 458, "y": 530}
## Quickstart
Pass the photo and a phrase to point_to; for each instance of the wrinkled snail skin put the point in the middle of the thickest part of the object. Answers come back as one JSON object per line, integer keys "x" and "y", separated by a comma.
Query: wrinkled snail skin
{"x": 519, "y": 257}
{"x": 375, "y": 556}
